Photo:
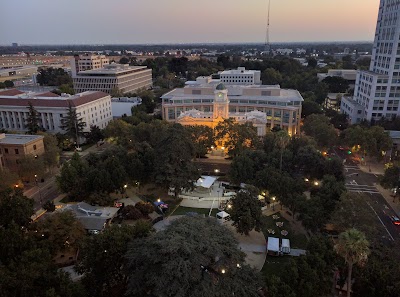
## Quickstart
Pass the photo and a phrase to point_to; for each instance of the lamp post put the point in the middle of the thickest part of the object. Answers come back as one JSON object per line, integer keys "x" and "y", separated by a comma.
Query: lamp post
{"x": 40, "y": 194}
{"x": 273, "y": 203}
{"x": 123, "y": 192}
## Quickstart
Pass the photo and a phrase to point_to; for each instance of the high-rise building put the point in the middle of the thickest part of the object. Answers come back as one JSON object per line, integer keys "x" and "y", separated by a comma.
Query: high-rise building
{"x": 87, "y": 62}
{"x": 114, "y": 77}
{"x": 377, "y": 91}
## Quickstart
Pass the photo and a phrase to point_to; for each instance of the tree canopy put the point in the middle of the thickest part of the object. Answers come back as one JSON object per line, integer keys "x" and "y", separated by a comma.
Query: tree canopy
{"x": 199, "y": 258}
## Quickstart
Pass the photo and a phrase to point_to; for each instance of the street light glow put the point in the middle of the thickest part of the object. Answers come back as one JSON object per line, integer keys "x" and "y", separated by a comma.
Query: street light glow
{"x": 316, "y": 183}
{"x": 223, "y": 271}
{"x": 158, "y": 200}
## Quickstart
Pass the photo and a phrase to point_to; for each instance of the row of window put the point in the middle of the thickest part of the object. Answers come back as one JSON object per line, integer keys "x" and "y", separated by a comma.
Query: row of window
{"x": 16, "y": 151}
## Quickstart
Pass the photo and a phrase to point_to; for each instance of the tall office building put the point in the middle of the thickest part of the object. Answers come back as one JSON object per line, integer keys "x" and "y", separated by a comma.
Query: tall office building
{"x": 377, "y": 91}
{"x": 87, "y": 62}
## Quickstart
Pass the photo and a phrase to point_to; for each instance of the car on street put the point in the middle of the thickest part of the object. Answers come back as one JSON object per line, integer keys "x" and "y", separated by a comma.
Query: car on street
{"x": 395, "y": 220}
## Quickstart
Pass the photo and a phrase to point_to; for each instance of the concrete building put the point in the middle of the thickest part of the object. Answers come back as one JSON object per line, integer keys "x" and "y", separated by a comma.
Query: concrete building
{"x": 93, "y": 107}
{"x": 240, "y": 76}
{"x": 87, "y": 62}
{"x": 348, "y": 74}
{"x": 377, "y": 91}
{"x": 13, "y": 147}
{"x": 121, "y": 77}
{"x": 207, "y": 101}
{"x": 123, "y": 106}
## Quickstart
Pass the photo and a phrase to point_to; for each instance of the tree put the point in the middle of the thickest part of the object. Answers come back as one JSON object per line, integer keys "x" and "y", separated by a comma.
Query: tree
{"x": 9, "y": 83}
{"x": 391, "y": 178}
{"x": 15, "y": 208}
{"x": 199, "y": 258}
{"x": 271, "y": 76}
{"x": 33, "y": 120}
{"x": 246, "y": 211}
{"x": 173, "y": 166}
{"x": 282, "y": 140}
{"x": 202, "y": 138}
{"x": 124, "y": 60}
{"x": 95, "y": 134}
{"x": 72, "y": 125}
{"x": 130, "y": 212}
{"x": 102, "y": 257}
{"x": 67, "y": 88}
{"x": 62, "y": 231}
{"x": 236, "y": 137}
{"x": 319, "y": 127}
{"x": 353, "y": 247}
{"x": 8, "y": 179}
{"x": 72, "y": 178}
{"x": 51, "y": 156}
{"x": 336, "y": 84}
{"x": 49, "y": 206}
{"x": 145, "y": 208}
{"x": 29, "y": 166}
{"x": 310, "y": 107}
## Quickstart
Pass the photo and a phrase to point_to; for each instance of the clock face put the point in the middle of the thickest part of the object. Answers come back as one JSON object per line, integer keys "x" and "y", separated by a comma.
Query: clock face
{"x": 220, "y": 95}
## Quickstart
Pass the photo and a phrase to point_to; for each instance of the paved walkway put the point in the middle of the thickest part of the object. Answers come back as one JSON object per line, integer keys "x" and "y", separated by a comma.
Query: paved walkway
{"x": 373, "y": 167}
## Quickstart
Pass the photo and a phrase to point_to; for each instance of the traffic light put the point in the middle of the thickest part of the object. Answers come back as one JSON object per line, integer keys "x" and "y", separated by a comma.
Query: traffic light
{"x": 349, "y": 152}
{"x": 362, "y": 158}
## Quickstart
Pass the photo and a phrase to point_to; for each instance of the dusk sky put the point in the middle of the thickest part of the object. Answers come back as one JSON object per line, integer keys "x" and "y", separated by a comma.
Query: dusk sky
{"x": 184, "y": 21}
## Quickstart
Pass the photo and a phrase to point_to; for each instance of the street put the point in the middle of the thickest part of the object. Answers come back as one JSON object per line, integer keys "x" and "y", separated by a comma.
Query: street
{"x": 358, "y": 181}
{"x": 42, "y": 192}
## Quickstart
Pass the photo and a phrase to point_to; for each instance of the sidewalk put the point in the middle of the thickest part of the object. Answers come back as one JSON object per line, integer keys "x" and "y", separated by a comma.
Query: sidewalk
{"x": 373, "y": 168}
{"x": 387, "y": 194}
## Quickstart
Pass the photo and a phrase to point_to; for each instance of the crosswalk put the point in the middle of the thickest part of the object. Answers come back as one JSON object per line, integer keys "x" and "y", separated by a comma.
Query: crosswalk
{"x": 356, "y": 188}
{"x": 347, "y": 168}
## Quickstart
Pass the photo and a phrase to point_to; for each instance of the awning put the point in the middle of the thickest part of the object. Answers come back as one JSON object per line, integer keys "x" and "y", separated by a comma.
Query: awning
{"x": 222, "y": 215}
{"x": 205, "y": 181}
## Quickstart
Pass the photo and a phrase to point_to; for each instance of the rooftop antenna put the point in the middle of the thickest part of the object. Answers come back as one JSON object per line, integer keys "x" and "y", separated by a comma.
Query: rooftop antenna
{"x": 267, "y": 44}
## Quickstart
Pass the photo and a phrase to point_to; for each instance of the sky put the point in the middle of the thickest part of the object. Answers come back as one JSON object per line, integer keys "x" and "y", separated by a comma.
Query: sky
{"x": 184, "y": 21}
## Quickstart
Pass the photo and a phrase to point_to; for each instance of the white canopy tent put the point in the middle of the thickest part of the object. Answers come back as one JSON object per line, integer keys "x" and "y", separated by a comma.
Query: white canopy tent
{"x": 222, "y": 215}
{"x": 205, "y": 182}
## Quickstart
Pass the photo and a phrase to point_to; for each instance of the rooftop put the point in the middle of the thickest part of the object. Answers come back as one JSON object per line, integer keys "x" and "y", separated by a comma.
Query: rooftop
{"x": 112, "y": 69}
{"x": 49, "y": 99}
{"x": 238, "y": 71}
{"x": 18, "y": 138}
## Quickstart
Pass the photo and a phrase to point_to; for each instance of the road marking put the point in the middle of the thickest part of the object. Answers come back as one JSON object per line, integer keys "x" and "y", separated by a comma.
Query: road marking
{"x": 380, "y": 221}
{"x": 375, "y": 175}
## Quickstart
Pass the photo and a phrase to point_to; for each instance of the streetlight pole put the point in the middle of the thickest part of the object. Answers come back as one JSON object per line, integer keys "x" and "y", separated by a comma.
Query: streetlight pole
{"x": 273, "y": 203}
{"x": 40, "y": 194}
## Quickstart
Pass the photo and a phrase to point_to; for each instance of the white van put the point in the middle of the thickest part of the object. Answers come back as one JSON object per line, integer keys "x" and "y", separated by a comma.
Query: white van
{"x": 285, "y": 246}
{"x": 273, "y": 247}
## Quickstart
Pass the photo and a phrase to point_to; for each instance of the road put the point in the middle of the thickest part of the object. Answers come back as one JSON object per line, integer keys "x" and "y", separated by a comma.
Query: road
{"x": 43, "y": 192}
{"x": 358, "y": 181}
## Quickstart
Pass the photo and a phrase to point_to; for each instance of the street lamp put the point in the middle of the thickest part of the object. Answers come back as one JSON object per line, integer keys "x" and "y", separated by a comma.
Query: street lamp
{"x": 273, "y": 203}
{"x": 122, "y": 192}
{"x": 40, "y": 194}
{"x": 216, "y": 170}
{"x": 316, "y": 183}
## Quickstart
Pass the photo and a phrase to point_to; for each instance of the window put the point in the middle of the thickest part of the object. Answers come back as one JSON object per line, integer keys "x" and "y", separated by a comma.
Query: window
{"x": 34, "y": 147}
{"x": 16, "y": 151}
{"x": 6, "y": 150}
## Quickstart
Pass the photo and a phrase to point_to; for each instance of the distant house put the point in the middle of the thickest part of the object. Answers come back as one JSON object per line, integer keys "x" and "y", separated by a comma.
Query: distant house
{"x": 93, "y": 218}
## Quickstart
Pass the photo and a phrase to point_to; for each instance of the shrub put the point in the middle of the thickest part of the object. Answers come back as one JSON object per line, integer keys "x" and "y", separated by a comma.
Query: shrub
{"x": 145, "y": 208}
{"x": 130, "y": 212}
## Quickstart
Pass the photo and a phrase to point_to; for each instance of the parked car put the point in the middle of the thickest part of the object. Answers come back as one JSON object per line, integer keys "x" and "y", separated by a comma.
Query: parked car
{"x": 395, "y": 220}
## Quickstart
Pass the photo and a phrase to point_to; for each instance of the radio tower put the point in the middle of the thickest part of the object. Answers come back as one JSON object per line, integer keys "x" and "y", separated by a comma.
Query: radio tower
{"x": 267, "y": 44}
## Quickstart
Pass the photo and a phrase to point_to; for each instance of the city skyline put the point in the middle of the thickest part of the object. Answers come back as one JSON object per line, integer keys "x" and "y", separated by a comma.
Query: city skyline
{"x": 175, "y": 21}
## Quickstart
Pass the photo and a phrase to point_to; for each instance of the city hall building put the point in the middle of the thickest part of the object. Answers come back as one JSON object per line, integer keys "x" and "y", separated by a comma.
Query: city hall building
{"x": 208, "y": 101}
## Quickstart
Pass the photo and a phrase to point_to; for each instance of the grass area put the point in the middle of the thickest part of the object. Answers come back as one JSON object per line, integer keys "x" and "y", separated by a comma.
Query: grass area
{"x": 184, "y": 210}
{"x": 274, "y": 265}
{"x": 298, "y": 241}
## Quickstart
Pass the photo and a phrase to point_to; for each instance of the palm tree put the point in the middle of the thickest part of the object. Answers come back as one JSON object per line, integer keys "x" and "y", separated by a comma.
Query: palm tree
{"x": 353, "y": 247}
{"x": 282, "y": 141}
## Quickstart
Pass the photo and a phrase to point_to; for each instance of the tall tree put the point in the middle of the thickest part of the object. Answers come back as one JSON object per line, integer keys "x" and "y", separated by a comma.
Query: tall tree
{"x": 353, "y": 247}
{"x": 174, "y": 167}
{"x": 72, "y": 124}
{"x": 33, "y": 120}
{"x": 51, "y": 156}
{"x": 15, "y": 208}
{"x": 199, "y": 258}
{"x": 246, "y": 211}
{"x": 202, "y": 138}
{"x": 236, "y": 137}
{"x": 102, "y": 257}
{"x": 282, "y": 140}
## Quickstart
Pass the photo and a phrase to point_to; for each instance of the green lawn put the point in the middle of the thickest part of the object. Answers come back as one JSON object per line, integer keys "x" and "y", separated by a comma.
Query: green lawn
{"x": 274, "y": 265}
{"x": 298, "y": 241}
{"x": 184, "y": 210}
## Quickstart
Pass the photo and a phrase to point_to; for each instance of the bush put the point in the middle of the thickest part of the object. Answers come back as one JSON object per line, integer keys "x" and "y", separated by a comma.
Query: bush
{"x": 145, "y": 208}
{"x": 49, "y": 206}
{"x": 130, "y": 212}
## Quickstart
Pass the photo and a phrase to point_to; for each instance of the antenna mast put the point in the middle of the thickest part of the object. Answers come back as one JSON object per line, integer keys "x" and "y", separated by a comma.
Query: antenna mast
{"x": 267, "y": 44}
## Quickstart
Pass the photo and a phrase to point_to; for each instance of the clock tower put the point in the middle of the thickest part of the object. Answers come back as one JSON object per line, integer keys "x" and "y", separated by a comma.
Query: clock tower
{"x": 221, "y": 102}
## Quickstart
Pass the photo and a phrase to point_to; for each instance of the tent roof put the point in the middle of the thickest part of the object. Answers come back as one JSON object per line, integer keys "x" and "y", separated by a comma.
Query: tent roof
{"x": 222, "y": 214}
{"x": 205, "y": 181}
